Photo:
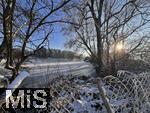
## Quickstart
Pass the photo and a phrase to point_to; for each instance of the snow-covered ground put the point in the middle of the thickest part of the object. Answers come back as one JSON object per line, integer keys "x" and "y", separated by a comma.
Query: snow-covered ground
{"x": 4, "y": 75}
{"x": 79, "y": 94}
{"x": 18, "y": 80}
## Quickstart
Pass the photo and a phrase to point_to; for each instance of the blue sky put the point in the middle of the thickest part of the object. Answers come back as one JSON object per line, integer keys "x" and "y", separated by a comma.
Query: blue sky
{"x": 57, "y": 39}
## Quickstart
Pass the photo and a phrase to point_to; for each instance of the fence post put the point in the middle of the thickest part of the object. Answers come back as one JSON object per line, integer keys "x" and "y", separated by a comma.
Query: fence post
{"x": 104, "y": 96}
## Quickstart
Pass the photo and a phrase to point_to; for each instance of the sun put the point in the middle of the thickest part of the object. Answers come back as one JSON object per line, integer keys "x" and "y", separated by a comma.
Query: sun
{"x": 119, "y": 46}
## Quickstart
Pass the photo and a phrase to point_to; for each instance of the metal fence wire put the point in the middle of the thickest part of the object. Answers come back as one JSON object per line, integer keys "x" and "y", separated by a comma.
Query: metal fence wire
{"x": 127, "y": 93}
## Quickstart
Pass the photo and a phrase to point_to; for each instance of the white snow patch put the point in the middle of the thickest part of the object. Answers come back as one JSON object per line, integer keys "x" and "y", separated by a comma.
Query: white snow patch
{"x": 18, "y": 79}
{"x": 2, "y": 62}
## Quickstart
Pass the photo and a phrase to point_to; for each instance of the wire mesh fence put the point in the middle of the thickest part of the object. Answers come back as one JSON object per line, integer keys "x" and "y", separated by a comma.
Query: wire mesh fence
{"x": 127, "y": 93}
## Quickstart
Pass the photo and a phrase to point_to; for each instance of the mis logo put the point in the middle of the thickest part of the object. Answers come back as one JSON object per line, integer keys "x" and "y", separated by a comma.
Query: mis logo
{"x": 27, "y": 98}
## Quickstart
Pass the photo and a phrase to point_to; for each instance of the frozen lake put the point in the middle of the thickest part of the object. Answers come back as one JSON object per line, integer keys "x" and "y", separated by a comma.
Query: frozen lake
{"x": 41, "y": 74}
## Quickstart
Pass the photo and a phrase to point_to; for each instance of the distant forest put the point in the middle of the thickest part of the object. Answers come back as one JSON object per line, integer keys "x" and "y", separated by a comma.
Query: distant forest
{"x": 45, "y": 53}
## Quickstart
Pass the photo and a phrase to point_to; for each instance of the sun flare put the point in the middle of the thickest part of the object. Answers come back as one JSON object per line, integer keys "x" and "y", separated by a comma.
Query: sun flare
{"x": 119, "y": 46}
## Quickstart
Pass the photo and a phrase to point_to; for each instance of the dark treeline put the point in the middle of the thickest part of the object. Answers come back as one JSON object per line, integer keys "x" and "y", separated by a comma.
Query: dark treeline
{"x": 56, "y": 53}
{"x": 45, "y": 53}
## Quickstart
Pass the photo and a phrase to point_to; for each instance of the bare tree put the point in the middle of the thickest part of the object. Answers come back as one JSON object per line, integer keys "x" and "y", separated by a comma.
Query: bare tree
{"x": 21, "y": 24}
{"x": 106, "y": 28}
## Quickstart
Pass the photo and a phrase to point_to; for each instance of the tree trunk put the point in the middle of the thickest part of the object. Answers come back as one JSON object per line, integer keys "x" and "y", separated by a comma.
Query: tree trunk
{"x": 113, "y": 62}
{"x": 113, "y": 68}
{"x": 3, "y": 46}
{"x": 8, "y": 33}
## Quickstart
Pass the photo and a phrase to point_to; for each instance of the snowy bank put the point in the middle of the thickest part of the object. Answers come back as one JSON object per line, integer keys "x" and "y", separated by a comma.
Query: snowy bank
{"x": 18, "y": 80}
{"x": 15, "y": 84}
